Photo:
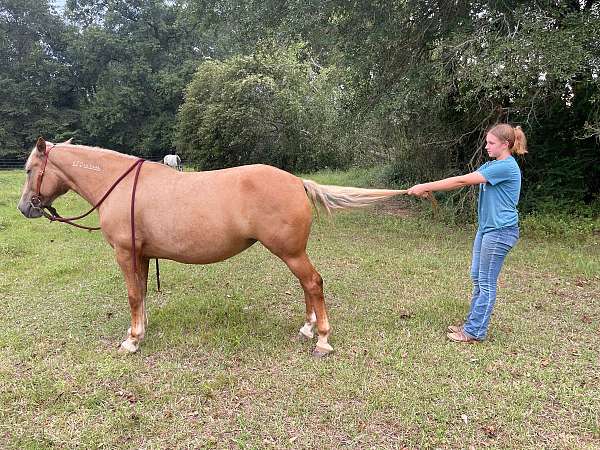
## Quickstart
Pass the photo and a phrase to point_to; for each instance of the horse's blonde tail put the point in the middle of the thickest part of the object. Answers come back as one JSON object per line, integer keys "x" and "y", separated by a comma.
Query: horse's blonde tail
{"x": 339, "y": 197}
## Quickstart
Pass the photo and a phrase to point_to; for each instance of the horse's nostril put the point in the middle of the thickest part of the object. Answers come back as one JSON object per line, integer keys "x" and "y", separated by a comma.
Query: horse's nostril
{"x": 36, "y": 202}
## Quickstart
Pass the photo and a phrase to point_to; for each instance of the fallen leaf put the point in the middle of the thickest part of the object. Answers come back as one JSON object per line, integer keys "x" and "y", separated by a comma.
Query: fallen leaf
{"x": 464, "y": 418}
{"x": 131, "y": 398}
{"x": 490, "y": 431}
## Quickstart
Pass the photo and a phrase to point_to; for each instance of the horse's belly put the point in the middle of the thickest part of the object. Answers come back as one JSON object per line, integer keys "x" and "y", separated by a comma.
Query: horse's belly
{"x": 192, "y": 251}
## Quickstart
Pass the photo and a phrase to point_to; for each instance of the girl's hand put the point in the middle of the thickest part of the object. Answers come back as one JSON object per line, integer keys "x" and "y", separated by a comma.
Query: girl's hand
{"x": 419, "y": 190}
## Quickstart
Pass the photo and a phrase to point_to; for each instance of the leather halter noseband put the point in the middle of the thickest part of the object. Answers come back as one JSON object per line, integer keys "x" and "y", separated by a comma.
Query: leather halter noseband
{"x": 53, "y": 215}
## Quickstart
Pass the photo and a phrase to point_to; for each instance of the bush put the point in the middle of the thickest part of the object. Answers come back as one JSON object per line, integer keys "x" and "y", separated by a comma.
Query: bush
{"x": 559, "y": 225}
{"x": 270, "y": 107}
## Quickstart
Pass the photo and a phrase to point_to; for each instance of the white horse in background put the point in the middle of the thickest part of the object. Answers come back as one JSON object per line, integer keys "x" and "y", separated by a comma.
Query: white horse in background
{"x": 173, "y": 161}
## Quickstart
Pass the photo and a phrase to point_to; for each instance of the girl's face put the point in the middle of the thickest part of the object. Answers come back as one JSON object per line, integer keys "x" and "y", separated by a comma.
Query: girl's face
{"x": 496, "y": 147}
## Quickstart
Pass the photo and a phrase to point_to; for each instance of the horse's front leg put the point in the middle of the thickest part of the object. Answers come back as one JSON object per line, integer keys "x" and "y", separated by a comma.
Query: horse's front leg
{"x": 136, "y": 292}
{"x": 306, "y": 332}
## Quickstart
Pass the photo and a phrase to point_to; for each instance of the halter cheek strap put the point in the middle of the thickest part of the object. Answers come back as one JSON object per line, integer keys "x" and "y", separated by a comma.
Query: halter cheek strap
{"x": 36, "y": 200}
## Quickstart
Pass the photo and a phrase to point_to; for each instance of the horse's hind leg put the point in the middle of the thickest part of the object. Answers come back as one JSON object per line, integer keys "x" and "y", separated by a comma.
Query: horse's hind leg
{"x": 136, "y": 290}
{"x": 312, "y": 284}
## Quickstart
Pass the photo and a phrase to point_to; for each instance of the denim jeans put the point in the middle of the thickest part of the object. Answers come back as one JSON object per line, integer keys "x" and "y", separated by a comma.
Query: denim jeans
{"x": 489, "y": 251}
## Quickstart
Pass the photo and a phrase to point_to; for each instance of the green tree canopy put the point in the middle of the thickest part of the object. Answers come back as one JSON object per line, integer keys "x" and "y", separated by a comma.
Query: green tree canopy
{"x": 39, "y": 93}
{"x": 134, "y": 60}
{"x": 263, "y": 108}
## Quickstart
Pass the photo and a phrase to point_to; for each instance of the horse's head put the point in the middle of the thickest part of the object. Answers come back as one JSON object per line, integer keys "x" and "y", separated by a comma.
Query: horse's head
{"x": 43, "y": 184}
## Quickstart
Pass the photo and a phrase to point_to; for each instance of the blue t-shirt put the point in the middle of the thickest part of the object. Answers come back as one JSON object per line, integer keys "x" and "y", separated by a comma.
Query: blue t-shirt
{"x": 498, "y": 198}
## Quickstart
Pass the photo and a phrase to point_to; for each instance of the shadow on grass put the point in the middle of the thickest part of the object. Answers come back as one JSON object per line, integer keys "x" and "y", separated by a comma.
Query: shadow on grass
{"x": 217, "y": 324}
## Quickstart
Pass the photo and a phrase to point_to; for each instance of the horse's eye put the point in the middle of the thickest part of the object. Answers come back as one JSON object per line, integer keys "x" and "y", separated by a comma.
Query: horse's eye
{"x": 28, "y": 171}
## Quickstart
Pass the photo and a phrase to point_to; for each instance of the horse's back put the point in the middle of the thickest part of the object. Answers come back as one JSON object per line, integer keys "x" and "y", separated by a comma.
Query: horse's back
{"x": 254, "y": 190}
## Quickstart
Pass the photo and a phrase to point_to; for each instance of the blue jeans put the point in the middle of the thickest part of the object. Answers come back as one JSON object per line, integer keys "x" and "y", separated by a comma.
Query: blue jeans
{"x": 489, "y": 251}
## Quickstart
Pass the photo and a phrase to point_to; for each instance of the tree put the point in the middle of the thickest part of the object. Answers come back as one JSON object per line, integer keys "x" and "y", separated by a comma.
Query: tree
{"x": 536, "y": 65}
{"x": 39, "y": 95}
{"x": 430, "y": 77}
{"x": 264, "y": 108}
{"x": 134, "y": 60}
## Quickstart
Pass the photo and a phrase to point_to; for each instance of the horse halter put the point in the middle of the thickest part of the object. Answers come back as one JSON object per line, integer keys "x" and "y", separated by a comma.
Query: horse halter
{"x": 36, "y": 200}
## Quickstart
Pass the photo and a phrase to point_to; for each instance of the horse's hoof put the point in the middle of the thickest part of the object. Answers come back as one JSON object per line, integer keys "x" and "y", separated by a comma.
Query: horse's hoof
{"x": 128, "y": 346}
{"x": 322, "y": 350}
{"x": 302, "y": 337}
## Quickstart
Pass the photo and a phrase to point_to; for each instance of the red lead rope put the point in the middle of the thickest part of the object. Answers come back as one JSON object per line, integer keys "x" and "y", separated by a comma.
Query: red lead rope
{"x": 139, "y": 163}
{"x": 54, "y": 216}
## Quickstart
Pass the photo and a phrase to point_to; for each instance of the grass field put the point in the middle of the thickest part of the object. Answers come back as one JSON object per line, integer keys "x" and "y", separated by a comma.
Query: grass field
{"x": 221, "y": 368}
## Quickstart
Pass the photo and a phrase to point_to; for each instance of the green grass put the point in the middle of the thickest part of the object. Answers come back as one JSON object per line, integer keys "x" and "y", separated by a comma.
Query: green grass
{"x": 220, "y": 367}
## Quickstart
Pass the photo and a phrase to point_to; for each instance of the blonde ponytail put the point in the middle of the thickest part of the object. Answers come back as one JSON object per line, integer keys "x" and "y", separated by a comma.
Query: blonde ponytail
{"x": 517, "y": 142}
{"x": 520, "y": 145}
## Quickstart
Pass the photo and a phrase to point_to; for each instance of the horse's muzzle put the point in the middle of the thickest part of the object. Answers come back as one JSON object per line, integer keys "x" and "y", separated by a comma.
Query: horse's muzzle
{"x": 29, "y": 210}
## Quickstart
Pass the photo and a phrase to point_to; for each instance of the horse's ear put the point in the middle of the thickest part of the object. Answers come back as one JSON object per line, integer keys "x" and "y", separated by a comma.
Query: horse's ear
{"x": 68, "y": 141}
{"x": 41, "y": 145}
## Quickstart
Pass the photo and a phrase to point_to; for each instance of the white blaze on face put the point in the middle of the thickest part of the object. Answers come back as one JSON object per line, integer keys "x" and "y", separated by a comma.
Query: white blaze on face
{"x": 24, "y": 204}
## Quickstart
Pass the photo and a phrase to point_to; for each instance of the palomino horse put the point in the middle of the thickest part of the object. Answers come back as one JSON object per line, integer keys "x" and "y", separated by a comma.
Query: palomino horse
{"x": 190, "y": 217}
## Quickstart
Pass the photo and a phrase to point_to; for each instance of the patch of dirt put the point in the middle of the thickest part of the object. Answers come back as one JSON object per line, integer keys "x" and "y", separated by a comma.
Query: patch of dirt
{"x": 395, "y": 206}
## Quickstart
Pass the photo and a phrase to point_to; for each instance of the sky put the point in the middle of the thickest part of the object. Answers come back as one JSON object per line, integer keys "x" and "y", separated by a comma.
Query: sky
{"x": 60, "y": 4}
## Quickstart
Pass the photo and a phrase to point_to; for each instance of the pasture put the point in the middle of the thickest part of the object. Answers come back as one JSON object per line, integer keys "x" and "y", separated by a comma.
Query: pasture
{"x": 221, "y": 367}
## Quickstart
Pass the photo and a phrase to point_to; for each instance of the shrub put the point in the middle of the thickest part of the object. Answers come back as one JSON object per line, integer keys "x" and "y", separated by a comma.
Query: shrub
{"x": 270, "y": 107}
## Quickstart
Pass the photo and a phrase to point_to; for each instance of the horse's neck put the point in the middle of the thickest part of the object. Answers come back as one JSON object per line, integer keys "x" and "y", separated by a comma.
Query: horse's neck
{"x": 89, "y": 172}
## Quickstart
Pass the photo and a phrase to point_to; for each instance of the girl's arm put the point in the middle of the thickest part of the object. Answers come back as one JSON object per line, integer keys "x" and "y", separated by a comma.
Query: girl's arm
{"x": 447, "y": 184}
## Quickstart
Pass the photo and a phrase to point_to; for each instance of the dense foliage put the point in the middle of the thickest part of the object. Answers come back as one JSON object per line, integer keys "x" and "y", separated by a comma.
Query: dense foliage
{"x": 37, "y": 84}
{"x": 409, "y": 84}
{"x": 265, "y": 108}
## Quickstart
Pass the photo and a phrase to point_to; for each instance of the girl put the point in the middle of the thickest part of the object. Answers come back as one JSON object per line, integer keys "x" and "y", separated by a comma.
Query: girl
{"x": 499, "y": 183}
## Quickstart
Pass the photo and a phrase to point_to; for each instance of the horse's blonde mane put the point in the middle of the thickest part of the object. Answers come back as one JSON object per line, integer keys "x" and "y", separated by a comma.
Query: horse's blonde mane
{"x": 92, "y": 149}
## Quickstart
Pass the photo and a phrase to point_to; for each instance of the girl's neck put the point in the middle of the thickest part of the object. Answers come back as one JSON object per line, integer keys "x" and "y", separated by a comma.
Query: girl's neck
{"x": 504, "y": 155}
